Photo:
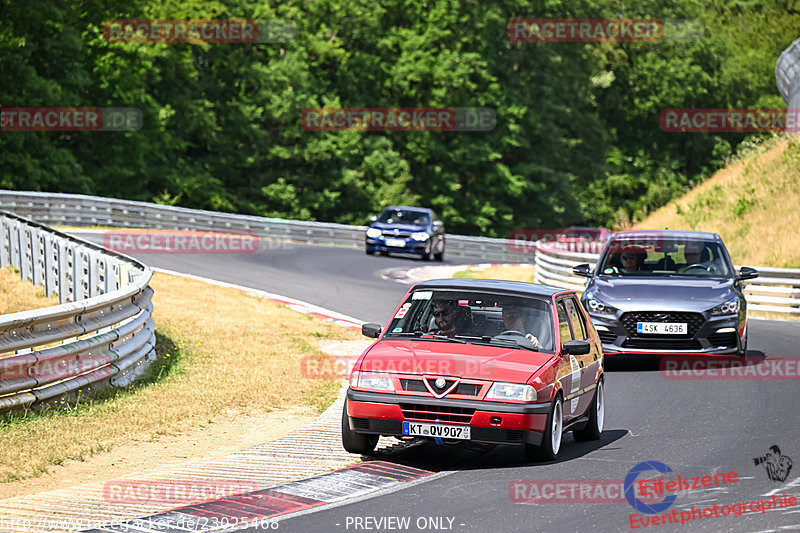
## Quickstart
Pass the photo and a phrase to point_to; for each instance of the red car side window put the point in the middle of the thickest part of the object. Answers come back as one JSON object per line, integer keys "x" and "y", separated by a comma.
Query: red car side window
{"x": 563, "y": 324}
{"x": 578, "y": 327}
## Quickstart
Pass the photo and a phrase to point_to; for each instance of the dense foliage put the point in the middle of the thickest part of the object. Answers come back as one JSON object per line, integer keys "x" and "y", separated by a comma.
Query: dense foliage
{"x": 577, "y": 137}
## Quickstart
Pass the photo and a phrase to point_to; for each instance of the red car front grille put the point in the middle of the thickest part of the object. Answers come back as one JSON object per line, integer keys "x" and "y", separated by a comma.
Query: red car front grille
{"x": 463, "y": 389}
{"x": 426, "y": 412}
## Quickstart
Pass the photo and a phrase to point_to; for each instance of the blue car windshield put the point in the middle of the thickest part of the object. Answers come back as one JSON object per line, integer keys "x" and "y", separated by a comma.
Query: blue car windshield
{"x": 404, "y": 216}
{"x": 662, "y": 257}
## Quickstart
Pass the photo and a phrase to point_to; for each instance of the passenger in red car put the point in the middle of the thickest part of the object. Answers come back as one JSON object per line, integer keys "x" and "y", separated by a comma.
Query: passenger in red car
{"x": 514, "y": 320}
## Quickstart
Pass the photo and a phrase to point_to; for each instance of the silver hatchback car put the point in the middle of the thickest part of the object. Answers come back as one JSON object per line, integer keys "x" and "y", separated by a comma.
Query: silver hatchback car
{"x": 667, "y": 292}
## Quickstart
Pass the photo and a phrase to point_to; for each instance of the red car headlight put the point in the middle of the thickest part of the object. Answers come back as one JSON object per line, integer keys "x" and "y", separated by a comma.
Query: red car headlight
{"x": 371, "y": 381}
{"x": 511, "y": 391}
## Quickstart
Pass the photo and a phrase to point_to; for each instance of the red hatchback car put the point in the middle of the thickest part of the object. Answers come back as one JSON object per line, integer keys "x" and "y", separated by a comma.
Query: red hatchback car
{"x": 487, "y": 361}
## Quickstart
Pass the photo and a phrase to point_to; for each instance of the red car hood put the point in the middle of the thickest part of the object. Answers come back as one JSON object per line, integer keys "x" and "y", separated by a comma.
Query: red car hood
{"x": 492, "y": 363}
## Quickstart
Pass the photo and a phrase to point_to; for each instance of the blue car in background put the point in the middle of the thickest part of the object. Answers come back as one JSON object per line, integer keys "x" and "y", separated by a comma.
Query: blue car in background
{"x": 409, "y": 230}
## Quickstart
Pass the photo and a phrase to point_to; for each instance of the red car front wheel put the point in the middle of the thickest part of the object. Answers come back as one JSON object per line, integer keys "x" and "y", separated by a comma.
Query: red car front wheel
{"x": 353, "y": 442}
{"x": 551, "y": 440}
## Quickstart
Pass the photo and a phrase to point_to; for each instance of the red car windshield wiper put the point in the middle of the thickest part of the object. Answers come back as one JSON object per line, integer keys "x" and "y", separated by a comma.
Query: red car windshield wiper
{"x": 427, "y": 336}
{"x": 515, "y": 343}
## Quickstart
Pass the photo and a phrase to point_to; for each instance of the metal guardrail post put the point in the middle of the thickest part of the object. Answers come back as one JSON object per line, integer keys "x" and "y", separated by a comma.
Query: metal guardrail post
{"x": 36, "y": 258}
{"x": 14, "y": 245}
{"x": 25, "y": 254}
{"x": 50, "y": 267}
{"x": 77, "y": 273}
{"x": 62, "y": 272}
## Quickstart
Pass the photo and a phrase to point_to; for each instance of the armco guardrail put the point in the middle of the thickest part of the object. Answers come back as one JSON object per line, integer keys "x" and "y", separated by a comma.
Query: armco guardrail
{"x": 102, "y": 332}
{"x": 775, "y": 290}
{"x": 81, "y": 210}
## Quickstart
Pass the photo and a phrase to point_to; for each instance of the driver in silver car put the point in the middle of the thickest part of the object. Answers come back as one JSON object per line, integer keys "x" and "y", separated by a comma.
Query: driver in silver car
{"x": 693, "y": 252}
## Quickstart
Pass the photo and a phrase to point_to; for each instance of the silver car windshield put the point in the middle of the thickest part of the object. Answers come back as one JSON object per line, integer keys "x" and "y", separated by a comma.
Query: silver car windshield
{"x": 662, "y": 257}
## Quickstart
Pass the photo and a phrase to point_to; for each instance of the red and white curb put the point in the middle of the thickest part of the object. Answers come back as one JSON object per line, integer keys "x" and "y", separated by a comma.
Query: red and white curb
{"x": 261, "y": 509}
{"x": 425, "y": 273}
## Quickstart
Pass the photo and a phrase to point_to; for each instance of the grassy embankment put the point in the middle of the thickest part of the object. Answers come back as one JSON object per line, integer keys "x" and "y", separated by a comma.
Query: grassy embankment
{"x": 754, "y": 205}
{"x": 222, "y": 353}
{"x": 17, "y": 295}
{"x": 514, "y": 273}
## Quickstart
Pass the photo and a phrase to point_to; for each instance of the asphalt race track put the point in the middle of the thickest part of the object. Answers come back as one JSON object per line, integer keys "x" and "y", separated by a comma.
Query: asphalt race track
{"x": 696, "y": 427}
{"x": 345, "y": 280}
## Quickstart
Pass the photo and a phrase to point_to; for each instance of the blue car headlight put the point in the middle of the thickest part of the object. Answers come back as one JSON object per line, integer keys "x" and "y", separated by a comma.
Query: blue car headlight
{"x": 419, "y": 236}
{"x": 731, "y": 307}
{"x": 373, "y": 233}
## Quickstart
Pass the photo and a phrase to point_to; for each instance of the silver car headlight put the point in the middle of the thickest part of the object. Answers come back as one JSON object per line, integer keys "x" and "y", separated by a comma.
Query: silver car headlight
{"x": 511, "y": 391}
{"x": 373, "y": 233}
{"x": 371, "y": 381}
{"x": 595, "y": 305}
{"x": 419, "y": 236}
{"x": 731, "y": 307}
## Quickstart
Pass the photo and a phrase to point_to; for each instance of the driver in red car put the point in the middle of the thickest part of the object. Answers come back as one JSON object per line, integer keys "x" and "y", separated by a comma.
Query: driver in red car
{"x": 444, "y": 314}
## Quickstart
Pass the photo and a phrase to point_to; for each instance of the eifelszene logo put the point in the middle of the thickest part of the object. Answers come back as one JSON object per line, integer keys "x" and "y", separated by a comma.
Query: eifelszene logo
{"x": 638, "y": 504}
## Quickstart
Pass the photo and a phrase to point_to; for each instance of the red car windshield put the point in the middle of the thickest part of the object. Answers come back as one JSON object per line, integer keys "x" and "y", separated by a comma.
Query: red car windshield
{"x": 475, "y": 317}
